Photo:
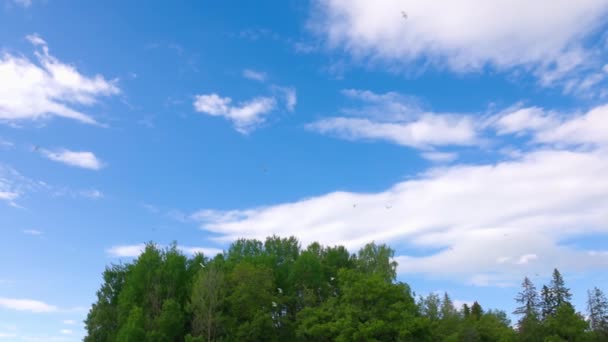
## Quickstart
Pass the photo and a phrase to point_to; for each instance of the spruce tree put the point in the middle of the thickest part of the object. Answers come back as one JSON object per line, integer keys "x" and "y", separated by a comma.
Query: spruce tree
{"x": 561, "y": 294}
{"x": 528, "y": 298}
{"x": 597, "y": 308}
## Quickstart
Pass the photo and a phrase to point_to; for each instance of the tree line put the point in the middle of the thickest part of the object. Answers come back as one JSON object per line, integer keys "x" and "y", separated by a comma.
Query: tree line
{"x": 277, "y": 291}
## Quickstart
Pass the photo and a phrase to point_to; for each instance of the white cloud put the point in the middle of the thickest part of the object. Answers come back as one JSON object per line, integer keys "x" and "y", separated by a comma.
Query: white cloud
{"x": 31, "y": 91}
{"x": 397, "y": 119}
{"x": 245, "y": 116}
{"x": 66, "y": 331}
{"x": 483, "y": 219}
{"x": 526, "y": 258}
{"x": 69, "y": 322}
{"x": 82, "y": 159}
{"x": 4, "y": 335}
{"x": 137, "y": 249}
{"x": 26, "y": 305}
{"x": 524, "y": 119}
{"x": 255, "y": 75}
{"x": 465, "y": 35}
{"x": 429, "y": 130}
{"x": 550, "y": 128}
{"x": 440, "y": 157}
{"x": 32, "y": 232}
{"x": 289, "y": 96}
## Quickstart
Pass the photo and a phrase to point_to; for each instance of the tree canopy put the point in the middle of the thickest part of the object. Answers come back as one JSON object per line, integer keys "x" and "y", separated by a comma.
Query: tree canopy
{"x": 277, "y": 291}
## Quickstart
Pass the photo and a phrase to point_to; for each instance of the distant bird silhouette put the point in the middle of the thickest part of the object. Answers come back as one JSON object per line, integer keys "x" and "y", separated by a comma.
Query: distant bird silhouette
{"x": 388, "y": 206}
{"x": 355, "y": 205}
{"x": 404, "y": 14}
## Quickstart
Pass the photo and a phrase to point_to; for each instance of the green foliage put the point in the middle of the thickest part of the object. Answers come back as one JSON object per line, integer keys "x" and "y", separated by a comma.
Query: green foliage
{"x": 274, "y": 291}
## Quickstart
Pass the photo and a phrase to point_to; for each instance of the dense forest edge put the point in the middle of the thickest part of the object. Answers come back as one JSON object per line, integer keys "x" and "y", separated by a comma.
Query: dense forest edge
{"x": 276, "y": 291}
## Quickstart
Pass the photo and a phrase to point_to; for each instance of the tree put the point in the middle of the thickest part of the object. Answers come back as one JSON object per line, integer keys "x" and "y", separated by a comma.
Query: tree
{"x": 566, "y": 324}
{"x": 597, "y": 308}
{"x": 561, "y": 294}
{"x": 476, "y": 311}
{"x": 377, "y": 259}
{"x": 528, "y": 298}
{"x": 102, "y": 320}
{"x": 547, "y": 302}
{"x": 134, "y": 329}
{"x": 206, "y": 300}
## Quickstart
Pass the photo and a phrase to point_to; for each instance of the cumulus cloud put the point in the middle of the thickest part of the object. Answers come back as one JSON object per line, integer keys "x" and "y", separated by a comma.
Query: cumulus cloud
{"x": 82, "y": 159}
{"x": 132, "y": 251}
{"x": 394, "y": 118}
{"x": 481, "y": 220}
{"x": 466, "y": 35}
{"x": 30, "y": 90}
{"x": 245, "y": 116}
{"x": 26, "y": 305}
{"x": 259, "y": 76}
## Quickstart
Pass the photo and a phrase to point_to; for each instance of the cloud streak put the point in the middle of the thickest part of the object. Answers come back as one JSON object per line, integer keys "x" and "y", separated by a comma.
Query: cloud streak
{"x": 81, "y": 159}
{"x": 30, "y": 305}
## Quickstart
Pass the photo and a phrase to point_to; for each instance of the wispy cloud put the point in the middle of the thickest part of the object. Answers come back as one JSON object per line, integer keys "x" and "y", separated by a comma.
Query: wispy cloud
{"x": 82, "y": 159}
{"x": 69, "y": 322}
{"x": 397, "y": 119}
{"x": 440, "y": 157}
{"x": 33, "y": 232}
{"x": 26, "y": 305}
{"x": 50, "y": 88}
{"x": 259, "y": 76}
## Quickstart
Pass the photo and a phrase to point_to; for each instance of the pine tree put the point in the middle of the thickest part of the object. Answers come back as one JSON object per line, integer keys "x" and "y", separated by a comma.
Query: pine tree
{"x": 597, "y": 307}
{"x": 547, "y": 302}
{"x": 466, "y": 311}
{"x": 561, "y": 294}
{"x": 476, "y": 311}
{"x": 528, "y": 298}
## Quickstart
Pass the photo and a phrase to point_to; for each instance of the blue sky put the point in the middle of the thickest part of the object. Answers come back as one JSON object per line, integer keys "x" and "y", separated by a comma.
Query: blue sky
{"x": 473, "y": 138}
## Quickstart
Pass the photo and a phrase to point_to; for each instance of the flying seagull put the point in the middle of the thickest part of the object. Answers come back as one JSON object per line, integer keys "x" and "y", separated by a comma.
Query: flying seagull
{"x": 404, "y": 14}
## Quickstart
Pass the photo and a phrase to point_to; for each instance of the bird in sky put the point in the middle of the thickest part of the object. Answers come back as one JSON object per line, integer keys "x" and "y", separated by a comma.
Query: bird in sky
{"x": 404, "y": 14}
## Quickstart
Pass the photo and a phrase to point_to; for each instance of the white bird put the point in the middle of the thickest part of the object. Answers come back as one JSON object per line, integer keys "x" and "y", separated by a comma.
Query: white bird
{"x": 332, "y": 278}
